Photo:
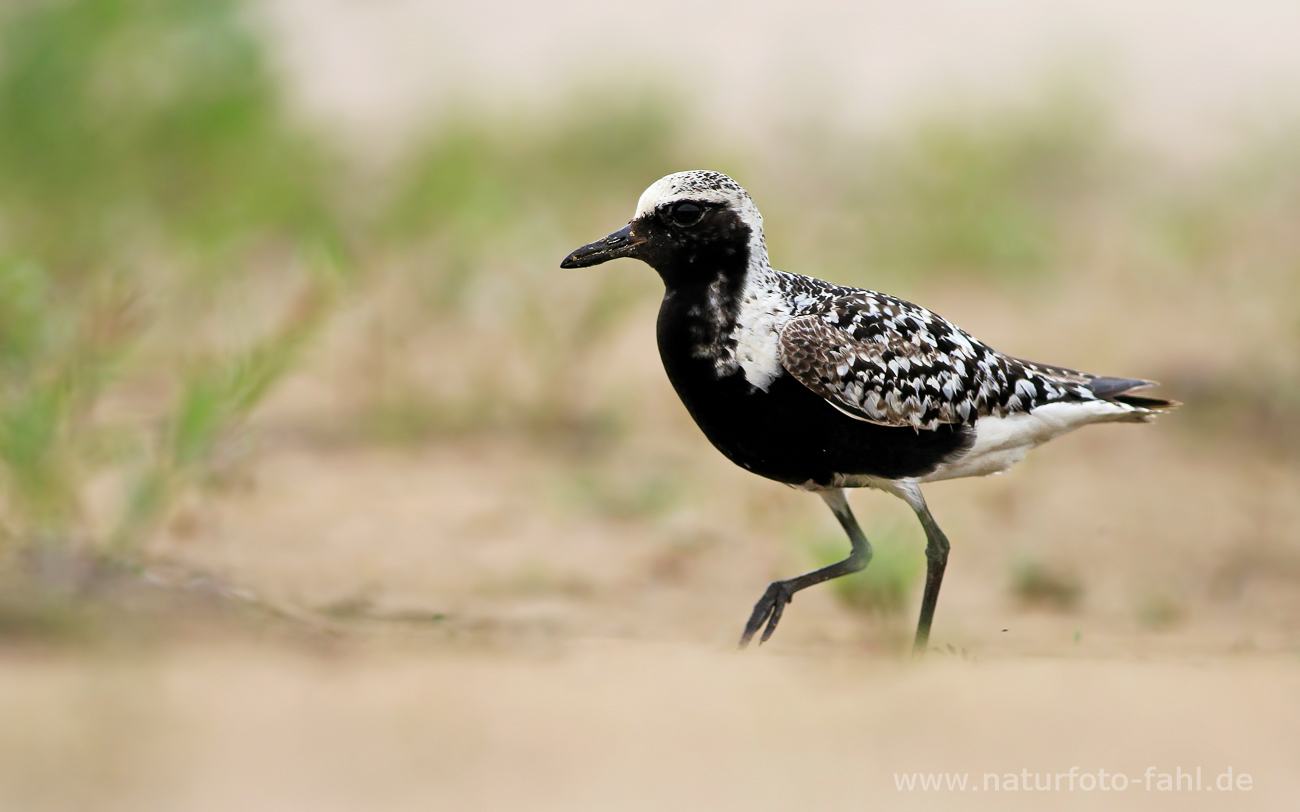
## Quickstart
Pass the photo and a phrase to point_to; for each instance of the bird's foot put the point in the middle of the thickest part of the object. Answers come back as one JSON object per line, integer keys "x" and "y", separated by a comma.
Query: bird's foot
{"x": 769, "y": 609}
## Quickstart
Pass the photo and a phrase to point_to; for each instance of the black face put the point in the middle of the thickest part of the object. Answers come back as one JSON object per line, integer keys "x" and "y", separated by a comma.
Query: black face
{"x": 686, "y": 241}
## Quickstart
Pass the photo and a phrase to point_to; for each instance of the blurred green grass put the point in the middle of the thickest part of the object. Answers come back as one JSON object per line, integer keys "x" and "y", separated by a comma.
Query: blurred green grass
{"x": 172, "y": 239}
{"x": 147, "y": 165}
{"x": 131, "y": 126}
{"x": 990, "y": 193}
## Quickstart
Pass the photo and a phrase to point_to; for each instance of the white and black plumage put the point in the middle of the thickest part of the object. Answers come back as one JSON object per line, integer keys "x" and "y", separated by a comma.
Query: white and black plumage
{"x": 826, "y": 387}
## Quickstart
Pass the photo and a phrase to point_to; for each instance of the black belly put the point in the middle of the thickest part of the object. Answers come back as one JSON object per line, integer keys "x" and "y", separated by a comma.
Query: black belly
{"x": 790, "y": 434}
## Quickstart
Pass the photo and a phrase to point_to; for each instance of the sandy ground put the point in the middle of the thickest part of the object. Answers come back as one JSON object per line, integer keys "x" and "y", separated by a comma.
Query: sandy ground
{"x": 619, "y": 724}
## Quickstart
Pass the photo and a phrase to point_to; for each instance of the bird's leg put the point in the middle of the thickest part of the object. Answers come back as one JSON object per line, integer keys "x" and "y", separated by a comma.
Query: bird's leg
{"x": 779, "y": 593}
{"x": 936, "y": 560}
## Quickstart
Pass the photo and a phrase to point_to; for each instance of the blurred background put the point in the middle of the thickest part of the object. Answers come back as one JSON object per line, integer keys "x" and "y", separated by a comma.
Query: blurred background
{"x": 322, "y": 487}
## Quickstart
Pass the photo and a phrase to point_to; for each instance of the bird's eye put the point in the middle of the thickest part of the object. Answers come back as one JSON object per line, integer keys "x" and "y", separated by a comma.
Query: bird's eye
{"x": 686, "y": 213}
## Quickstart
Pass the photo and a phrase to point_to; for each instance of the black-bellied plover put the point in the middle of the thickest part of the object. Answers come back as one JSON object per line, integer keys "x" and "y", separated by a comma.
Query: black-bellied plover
{"x": 825, "y": 387}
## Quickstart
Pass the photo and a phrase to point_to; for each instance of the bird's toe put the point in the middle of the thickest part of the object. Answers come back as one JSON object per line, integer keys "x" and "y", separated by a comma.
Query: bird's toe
{"x": 768, "y": 610}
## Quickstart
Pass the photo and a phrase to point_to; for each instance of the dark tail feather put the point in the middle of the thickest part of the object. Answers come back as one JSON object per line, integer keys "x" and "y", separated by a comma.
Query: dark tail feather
{"x": 1146, "y": 403}
{"x": 1117, "y": 389}
{"x": 1108, "y": 388}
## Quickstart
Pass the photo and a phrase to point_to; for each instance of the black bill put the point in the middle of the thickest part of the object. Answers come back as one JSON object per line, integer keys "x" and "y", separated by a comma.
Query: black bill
{"x": 619, "y": 244}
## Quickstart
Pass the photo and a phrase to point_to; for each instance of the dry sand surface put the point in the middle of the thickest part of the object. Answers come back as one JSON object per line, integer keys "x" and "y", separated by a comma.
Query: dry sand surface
{"x": 635, "y": 725}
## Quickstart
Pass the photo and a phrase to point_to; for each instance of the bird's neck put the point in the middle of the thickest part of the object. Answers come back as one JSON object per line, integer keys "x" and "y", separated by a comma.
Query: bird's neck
{"x": 700, "y": 312}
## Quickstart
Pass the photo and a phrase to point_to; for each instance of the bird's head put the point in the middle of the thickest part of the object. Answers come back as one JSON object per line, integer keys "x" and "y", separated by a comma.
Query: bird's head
{"x": 687, "y": 226}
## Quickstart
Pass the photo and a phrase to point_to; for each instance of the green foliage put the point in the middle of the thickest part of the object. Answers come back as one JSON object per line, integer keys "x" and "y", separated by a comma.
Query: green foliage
{"x": 217, "y": 394}
{"x": 479, "y": 189}
{"x": 1001, "y": 193}
{"x": 476, "y": 174}
{"x": 988, "y": 194}
{"x": 1232, "y": 231}
{"x": 1249, "y": 201}
{"x": 473, "y": 224}
{"x": 124, "y": 123}
{"x": 146, "y": 157}
{"x": 57, "y": 351}
{"x": 64, "y": 353}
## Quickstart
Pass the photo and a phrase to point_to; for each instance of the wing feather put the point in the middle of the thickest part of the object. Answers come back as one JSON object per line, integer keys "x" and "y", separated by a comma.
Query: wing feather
{"x": 887, "y": 361}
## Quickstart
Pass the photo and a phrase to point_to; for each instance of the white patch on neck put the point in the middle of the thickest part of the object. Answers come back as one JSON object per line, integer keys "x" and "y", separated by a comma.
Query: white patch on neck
{"x": 763, "y": 312}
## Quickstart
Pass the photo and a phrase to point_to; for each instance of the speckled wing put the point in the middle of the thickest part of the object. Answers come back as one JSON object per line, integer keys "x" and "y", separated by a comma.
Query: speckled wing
{"x": 890, "y": 362}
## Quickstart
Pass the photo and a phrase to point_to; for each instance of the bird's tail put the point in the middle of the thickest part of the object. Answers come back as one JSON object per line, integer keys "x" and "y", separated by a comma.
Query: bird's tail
{"x": 1119, "y": 390}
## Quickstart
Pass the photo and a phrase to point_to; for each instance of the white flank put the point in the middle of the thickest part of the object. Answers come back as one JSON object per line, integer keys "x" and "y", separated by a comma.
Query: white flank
{"x": 1001, "y": 442}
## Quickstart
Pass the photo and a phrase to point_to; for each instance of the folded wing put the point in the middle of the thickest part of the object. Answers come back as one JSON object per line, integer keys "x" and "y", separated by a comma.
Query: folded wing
{"x": 889, "y": 362}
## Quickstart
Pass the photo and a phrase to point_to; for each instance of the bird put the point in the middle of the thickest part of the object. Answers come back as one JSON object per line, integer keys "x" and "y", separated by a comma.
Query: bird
{"x": 825, "y": 387}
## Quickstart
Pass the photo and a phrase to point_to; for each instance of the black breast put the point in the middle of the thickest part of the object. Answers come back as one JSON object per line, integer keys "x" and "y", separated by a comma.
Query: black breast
{"x": 788, "y": 433}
